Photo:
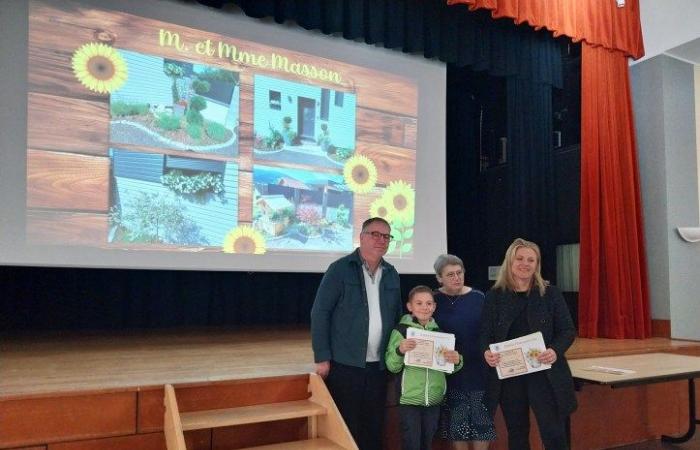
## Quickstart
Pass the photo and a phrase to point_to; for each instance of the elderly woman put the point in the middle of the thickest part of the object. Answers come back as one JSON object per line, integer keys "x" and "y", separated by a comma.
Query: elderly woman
{"x": 520, "y": 303}
{"x": 465, "y": 419}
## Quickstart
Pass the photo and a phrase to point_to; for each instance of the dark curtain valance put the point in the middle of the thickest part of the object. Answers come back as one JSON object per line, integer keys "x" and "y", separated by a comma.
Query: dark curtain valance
{"x": 453, "y": 35}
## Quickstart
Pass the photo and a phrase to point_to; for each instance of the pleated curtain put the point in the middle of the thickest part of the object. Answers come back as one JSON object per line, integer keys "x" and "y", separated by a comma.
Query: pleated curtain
{"x": 614, "y": 292}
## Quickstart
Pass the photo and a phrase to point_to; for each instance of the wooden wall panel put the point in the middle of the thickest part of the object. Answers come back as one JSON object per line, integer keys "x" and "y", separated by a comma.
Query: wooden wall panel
{"x": 392, "y": 163}
{"x": 106, "y": 421}
{"x": 410, "y": 137}
{"x": 67, "y": 124}
{"x": 661, "y": 328}
{"x": 245, "y": 127}
{"x": 600, "y": 421}
{"x": 50, "y": 70}
{"x": 379, "y": 127}
{"x": 195, "y": 440}
{"x": 151, "y": 441}
{"x": 54, "y": 419}
{"x": 258, "y": 434}
{"x": 49, "y": 227}
{"x": 612, "y": 417}
{"x": 37, "y": 447}
{"x": 67, "y": 181}
{"x": 49, "y": 55}
{"x": 223, "y": 395}
{"x": 245, "y": 197}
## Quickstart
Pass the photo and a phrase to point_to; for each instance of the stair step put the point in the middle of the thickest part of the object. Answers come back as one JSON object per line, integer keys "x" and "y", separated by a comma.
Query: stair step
{"x": 269, "y": 412}
{"x": 310, "y": 444}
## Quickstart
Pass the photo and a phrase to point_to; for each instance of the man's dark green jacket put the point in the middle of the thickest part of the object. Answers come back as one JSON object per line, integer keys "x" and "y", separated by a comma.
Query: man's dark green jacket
{"x": 340, "y": 314}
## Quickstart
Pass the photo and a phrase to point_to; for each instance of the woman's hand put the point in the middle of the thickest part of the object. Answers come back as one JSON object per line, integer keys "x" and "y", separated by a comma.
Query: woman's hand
{"x": 492, "y": 358}
{"x": 406, "y": 346}
{"x": 452, "y": 356}
{"x": 548, "y": 356}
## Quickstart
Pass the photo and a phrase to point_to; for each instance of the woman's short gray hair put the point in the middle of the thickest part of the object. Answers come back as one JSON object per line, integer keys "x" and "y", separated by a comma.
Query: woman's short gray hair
{"x": 446, "y": 260}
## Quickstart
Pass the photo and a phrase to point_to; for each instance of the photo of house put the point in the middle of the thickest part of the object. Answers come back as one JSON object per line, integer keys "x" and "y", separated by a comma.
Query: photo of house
{"x": 164, "y": 199}
{"x": 299, "y": 209}
{"x": 176, "y": 105}
{"x": 302, "y": 123}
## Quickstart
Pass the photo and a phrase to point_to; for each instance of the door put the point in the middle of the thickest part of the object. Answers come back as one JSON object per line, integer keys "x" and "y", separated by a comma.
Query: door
{"x": 307, "y": 118}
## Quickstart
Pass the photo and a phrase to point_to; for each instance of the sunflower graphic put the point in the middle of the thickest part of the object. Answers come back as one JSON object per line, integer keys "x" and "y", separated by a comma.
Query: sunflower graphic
{"x": 400, "y": 197}
{"x": 360, "y": 174}
{"x": 379, "y": 208}
{"x": 244, "y": 239}
{"x": 99, "y": 67}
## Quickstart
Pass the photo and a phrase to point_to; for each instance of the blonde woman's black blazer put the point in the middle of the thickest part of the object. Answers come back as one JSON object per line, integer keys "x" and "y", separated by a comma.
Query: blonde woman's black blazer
{"x": 548, "y": 314}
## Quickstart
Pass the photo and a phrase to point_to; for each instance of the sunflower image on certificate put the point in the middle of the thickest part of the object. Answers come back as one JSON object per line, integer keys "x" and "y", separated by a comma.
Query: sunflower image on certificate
{"x": 519, "y": 356}
{"x": 430, "y": 349}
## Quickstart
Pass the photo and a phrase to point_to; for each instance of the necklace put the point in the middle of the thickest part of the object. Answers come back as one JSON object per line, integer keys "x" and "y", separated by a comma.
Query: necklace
{"x": 452, "y": 298}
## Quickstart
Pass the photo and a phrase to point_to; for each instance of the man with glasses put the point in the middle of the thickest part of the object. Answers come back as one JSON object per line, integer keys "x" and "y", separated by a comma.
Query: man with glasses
{"x": 357, "y": 305}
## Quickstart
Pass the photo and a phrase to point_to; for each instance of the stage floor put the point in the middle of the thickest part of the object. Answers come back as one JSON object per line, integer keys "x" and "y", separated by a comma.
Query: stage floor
{"x": 64, "y": 363}
{"x": 50, "y": 364}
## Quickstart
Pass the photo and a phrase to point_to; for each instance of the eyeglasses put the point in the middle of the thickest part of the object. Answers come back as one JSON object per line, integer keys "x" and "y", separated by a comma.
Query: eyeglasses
{"x": 453, "y": 275}
{"x": 377, "y": 235}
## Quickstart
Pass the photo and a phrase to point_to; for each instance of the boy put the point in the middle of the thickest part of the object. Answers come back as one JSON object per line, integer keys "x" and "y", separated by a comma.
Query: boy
{"x": 422, "y": 389}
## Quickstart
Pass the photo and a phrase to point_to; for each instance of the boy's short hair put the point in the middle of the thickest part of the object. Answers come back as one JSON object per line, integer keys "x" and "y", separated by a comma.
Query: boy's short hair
{"x": 418, "y": 290}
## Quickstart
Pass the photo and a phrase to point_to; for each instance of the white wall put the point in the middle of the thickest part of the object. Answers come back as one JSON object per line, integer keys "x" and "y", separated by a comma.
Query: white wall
{"x": 667, "y": 24}
{"x": 663, "y": 91}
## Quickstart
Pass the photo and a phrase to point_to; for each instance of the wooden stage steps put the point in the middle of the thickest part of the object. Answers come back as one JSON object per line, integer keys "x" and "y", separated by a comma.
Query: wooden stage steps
{"x": 247, "y": 414}
{"x": 325, "y": 426}
{"x": 308, "y": 444}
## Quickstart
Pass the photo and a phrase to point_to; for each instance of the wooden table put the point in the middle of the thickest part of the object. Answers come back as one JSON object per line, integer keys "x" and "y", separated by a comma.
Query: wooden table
{"x": 648, "y": 368}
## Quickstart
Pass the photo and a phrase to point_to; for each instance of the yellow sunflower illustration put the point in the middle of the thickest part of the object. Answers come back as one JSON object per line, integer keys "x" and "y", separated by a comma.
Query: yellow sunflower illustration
{"x": 99, "y": 67}
{"x": 400, "y": 197}
{"x": 379, "y": 208}
{"x": 360, "y": 174}
{"x": 244, "y": 239}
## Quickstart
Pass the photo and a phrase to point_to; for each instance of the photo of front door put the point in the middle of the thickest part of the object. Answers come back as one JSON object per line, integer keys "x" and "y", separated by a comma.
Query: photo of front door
{"x": 307, "y": 113}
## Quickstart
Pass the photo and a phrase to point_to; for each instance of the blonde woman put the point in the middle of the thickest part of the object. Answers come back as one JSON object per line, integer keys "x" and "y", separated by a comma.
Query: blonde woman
{"x": 520, "y": 303}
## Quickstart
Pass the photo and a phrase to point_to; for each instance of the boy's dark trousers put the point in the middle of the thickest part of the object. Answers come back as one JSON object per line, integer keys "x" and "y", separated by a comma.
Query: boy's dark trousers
{"x": 418, "y": 426}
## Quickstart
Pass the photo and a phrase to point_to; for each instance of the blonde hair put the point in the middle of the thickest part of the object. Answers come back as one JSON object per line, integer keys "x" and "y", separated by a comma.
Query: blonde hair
{"x": 505, "y": 279}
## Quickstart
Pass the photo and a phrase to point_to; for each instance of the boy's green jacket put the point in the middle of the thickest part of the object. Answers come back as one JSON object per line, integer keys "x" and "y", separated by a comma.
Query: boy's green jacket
{"x": 419, "y": 386}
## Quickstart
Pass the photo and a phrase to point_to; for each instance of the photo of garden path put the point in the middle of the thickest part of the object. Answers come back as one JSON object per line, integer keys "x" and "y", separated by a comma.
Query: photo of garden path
{"x": 302, "y": 210}
{"x": 176, "y": 105}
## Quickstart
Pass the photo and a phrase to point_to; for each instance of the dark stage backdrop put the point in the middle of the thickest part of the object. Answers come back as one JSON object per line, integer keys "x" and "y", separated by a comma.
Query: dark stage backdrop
{"x": 494, "y": 69}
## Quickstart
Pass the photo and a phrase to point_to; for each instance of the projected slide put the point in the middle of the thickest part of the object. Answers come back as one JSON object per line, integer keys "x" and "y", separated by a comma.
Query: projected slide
{"x": 152, "y": 136}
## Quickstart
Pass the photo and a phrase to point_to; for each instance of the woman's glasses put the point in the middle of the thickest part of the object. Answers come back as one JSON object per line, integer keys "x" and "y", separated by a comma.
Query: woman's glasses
{"x": 453, "y": 275}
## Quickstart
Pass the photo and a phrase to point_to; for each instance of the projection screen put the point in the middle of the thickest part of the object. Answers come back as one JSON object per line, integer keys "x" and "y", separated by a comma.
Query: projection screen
{"x": 173, "y": 136}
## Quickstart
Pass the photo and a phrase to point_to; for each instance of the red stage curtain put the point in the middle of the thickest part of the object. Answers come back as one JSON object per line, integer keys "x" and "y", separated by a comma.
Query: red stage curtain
{"x": 613, "y": 293}
{"x": 597, "y": 22}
